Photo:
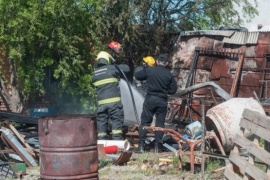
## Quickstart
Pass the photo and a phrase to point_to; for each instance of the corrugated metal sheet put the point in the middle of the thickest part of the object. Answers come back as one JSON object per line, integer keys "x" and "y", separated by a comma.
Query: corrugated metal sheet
{"x": 252, "y": 37}
{"x": 230, "y": 37}
{"x": 242, "y": 38}
{"x": 208, "y": 33}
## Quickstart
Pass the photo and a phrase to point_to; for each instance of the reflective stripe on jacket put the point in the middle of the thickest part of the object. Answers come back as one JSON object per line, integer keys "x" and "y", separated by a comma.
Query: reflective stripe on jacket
{"x": 106, "y": 80}
{"x": 109, "y": 100}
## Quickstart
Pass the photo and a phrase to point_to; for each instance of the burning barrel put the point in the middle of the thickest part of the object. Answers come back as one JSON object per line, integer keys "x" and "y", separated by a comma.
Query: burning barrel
{"x": 68, "y": 147}
{"x": 224, "y": 119}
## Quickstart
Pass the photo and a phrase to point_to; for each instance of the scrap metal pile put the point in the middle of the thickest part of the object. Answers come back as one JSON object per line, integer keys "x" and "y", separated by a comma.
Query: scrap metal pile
{"x": 184, "y": 135}
{"x": 198, "y": 129}
{"x": 19, "y": 145}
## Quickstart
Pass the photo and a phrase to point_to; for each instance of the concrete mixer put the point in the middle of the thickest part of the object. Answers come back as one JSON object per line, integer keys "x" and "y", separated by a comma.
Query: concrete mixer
{"x": 224, "y": 119}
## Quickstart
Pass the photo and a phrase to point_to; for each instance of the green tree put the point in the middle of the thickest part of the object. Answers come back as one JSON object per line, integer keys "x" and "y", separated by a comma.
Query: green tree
{"x": 49, "y": 39}
{"x": 145, "y": 26}
{"x": 51, "y": 45}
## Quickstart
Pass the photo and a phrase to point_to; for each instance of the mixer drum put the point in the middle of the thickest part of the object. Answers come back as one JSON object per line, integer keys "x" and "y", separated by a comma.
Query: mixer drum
{"x": 224, "y": 119}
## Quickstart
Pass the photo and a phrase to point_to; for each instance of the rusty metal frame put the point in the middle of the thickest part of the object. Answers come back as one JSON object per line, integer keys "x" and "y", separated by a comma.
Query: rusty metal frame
{"x": 123, "y": 158}
{"x": 225, "y": 53}
{"x": 177, "y": 107}
{"x": 191, "y": 143}
{"x": 199, "y": 51}
{"x": 205, "y": 51}
{"x": 264, "y": 70}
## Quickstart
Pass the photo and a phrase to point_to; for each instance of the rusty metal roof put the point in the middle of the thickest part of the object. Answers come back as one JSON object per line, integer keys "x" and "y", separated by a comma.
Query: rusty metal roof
{"x": 242, "y": 38}
{"x": 230, "y": 37}
{"x": 207, "y": 33}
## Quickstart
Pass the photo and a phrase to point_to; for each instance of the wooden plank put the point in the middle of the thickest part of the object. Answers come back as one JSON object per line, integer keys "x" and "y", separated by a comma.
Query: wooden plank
{"x": 28, "y": 148}
{"x": 17, "y": 150}
{"x": 229, "y": 174}
{"x": 235, "y": 84}
{"x": 257, "y": 151}
{"x": 257, "y": 118}
{"x": 255, "y": 129}
{"x": 248, "y": 168}
{"x": 219, "y": 169}
{"x": 7, "y": 151}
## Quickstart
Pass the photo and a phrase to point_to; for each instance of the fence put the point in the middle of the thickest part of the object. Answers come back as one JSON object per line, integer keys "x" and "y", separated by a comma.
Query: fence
{"x": 250, "y": 158}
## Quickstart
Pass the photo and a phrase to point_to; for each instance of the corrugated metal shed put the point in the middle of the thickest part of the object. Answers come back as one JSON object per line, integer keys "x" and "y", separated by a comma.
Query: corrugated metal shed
{"x": 217, "y": 62}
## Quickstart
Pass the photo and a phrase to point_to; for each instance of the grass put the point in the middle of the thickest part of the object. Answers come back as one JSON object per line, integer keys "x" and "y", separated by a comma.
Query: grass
{"x": 147, "y": 166}
{"x": 213, "y": 164}
{"x": 104, "y": 162}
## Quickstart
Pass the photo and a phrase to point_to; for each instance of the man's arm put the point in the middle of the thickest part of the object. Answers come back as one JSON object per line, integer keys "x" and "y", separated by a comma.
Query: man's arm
{"x": 141, "y": 75}
{"x": 173, "y": 86}
{"x": 124, "y": 68}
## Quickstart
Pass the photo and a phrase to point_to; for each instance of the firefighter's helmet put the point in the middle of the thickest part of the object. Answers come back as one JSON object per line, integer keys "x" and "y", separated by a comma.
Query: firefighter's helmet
{"x": 115, "y": 46}
{"x": 149, "y": 60}
{"x": 103, "y": 58}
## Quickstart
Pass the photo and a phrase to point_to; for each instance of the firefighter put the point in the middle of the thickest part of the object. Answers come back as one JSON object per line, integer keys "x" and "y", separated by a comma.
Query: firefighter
{"x": 106, "y": 80}
{"x": 160, "y": 83}
{"x": 148, "y": 61}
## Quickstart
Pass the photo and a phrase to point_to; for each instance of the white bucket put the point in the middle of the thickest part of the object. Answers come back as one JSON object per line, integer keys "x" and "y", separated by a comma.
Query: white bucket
{"x": 194, "y": 129}
{"x": 121, "y": 144}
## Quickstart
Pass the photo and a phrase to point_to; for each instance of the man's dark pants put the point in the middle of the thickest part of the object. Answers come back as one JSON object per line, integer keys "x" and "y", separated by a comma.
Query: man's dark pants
{"x": 153, "y": 105}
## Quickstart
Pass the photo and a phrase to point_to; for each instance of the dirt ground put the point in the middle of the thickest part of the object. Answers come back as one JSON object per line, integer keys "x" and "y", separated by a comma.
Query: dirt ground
{"x": 135, "y": 170}
{"x": 147, "y": 166}
{"x": 140, "y": 171}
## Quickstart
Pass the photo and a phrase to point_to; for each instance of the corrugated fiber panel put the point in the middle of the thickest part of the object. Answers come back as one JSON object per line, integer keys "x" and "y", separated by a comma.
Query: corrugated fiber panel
{"x": 242, "y": 38}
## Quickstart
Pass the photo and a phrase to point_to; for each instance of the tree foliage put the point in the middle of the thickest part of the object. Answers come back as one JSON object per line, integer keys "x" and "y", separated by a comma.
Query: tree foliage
{"x": 49, "y": 39}
{"x": 144, "y": 26}
{"x": 52, "y": 44}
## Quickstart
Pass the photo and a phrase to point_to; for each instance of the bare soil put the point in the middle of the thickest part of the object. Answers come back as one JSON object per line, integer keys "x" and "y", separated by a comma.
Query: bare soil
{"x": 148, "y": 166}
{"x": 145, "y": 166}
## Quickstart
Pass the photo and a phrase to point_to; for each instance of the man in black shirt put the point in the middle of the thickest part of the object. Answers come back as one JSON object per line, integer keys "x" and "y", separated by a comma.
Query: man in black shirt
{"x": 160, "y": 83}
{"x": 148, "y": 62}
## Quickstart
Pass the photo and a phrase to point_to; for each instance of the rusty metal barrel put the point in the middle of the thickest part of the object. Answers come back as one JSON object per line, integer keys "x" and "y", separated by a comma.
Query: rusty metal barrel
{"x": 68, "y": 147}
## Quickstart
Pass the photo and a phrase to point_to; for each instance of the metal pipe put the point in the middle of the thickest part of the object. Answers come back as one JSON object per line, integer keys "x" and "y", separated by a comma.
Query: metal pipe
{"x": 217, "y": 89}
{"x": 203, "y": 140}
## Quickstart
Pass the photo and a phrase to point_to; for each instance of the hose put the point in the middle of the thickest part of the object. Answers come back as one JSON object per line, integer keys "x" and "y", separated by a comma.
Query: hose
{"x": 131, "y": 93}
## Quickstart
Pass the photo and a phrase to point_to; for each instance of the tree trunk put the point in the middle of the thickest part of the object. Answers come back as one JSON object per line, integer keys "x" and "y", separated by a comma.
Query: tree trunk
{"x": 9, "y": 88}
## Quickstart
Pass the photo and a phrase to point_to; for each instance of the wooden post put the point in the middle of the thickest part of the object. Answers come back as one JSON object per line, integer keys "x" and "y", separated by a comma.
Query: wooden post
{"x": 238, "y": 72}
